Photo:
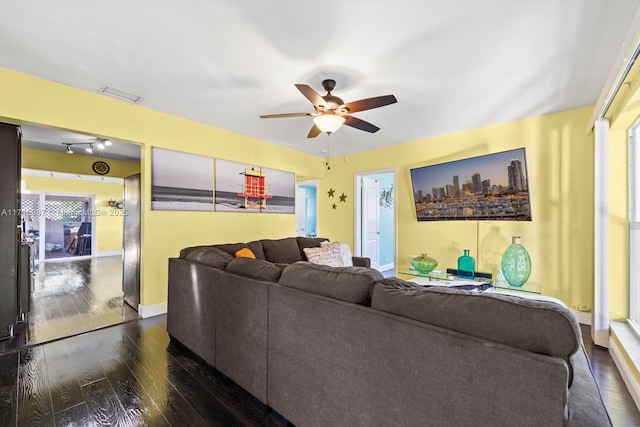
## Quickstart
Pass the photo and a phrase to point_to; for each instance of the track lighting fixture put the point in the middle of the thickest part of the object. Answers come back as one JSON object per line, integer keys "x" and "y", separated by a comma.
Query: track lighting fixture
{"x": 100, "y": 144}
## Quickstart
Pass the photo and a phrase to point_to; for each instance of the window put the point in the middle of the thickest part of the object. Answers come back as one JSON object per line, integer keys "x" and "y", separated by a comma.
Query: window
{"x": 634, "y": 226}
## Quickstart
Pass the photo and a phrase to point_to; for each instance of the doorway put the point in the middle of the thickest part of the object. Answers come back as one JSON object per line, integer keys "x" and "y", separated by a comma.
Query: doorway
{"x": 307, "y": 209}
{"x": 375, "y": 218}
{"x": 60, "y": 225}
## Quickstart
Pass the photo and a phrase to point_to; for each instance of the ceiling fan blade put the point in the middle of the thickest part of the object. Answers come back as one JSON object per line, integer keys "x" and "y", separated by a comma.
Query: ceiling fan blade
{"x": 369, "y": 103}
{"x": 315, "y": 131}
{"x": 277, "y": 116}
{"x": 311, "y": 95}
{"x": 355, "y": 122}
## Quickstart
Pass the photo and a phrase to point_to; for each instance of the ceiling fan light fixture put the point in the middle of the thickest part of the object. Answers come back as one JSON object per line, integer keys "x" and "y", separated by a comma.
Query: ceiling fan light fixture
{"x": 100, "y": 146}
{"x": 329, "y": 122}
{"x": 89, "y": 149}
{"x": 69, "y": 150}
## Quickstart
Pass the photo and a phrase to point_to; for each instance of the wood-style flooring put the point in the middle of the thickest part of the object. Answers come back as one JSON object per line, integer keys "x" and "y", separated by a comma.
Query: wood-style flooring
{"x": 72, "y": 296}
{"x": 132, "y": 374}
{"x": 125, "y": 375}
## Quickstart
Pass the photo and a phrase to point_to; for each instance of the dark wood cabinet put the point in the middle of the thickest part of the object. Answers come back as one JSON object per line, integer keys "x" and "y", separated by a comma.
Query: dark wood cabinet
{"x": 10, "y": 231}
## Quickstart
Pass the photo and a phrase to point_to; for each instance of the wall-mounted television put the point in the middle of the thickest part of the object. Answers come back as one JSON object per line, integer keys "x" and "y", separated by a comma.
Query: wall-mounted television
{"x": 490, "y": 187}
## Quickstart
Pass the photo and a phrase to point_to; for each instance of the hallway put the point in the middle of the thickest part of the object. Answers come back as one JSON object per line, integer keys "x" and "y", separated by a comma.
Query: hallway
{"x": 72, "y": 296}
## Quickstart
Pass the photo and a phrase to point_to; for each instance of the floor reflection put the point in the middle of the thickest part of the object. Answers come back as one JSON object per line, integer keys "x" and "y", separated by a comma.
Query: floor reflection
{"x": 70, "y": 297}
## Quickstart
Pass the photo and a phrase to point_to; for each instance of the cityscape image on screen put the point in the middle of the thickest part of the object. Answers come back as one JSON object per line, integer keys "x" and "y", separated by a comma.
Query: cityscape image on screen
{"x": 490, "y": 187}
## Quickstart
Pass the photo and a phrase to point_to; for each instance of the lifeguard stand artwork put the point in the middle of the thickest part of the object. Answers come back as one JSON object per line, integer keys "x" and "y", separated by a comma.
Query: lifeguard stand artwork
{"x": 254, "y": 189}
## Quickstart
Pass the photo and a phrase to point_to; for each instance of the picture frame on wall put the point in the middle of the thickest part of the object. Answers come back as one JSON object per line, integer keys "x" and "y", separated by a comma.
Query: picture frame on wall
{"x": 241, "y": 187}
{"x": 181, "y": 181}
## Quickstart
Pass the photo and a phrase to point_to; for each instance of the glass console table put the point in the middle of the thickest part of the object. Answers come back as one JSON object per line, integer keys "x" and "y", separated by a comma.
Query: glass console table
{"x": 499, "y": 284}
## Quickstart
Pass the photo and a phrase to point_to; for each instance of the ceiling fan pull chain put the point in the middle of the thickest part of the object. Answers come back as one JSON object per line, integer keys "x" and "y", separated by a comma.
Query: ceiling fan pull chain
{"x": 326, "y": 152}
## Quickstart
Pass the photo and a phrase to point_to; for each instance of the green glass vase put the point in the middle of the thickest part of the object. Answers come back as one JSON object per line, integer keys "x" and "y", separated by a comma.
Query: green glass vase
{"x": 424, "y": 263}
{"x": 516, "y": 264}
{"x": 466, "y": 266}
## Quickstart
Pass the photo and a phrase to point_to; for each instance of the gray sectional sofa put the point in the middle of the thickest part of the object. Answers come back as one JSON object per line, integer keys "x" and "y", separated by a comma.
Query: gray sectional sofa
{"x": 341, "y": 346}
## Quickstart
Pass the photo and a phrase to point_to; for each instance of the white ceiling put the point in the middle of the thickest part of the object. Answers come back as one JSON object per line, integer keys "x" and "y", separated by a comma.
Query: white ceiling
{"x": 452, "y": 65}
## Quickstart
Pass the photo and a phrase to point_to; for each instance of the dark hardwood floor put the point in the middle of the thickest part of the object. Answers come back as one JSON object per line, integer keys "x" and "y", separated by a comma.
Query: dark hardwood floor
{"x": 617, "y": 399}
{"x": 132, "y": 374}
{"x": 126, "y": 375}
{"x": 72, "y": 296}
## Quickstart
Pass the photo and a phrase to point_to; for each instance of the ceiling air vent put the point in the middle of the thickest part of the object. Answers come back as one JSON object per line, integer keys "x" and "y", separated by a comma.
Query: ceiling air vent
{"x": 120, "y": 94}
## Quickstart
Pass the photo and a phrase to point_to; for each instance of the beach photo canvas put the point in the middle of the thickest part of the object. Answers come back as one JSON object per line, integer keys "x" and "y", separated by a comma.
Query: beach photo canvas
{"x": 243, "y": 187}
{"x": 181, "y": 181}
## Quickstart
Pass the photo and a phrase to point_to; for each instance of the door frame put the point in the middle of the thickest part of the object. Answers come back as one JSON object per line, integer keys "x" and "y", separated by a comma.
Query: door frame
{"x": 309, "y": 183}
{"x": 42, "y": 196}
{"x": 357, "y": 220}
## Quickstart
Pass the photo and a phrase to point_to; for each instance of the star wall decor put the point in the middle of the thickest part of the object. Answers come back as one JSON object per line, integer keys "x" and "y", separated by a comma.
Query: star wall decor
{"x": 330, "y": 192}
{"x": 333, "y": 206}
{"x": 343, "y": 198}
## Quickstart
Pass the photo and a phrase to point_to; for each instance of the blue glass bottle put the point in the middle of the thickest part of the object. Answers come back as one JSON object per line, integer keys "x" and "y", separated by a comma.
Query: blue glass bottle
{"x": 466, "y": 266}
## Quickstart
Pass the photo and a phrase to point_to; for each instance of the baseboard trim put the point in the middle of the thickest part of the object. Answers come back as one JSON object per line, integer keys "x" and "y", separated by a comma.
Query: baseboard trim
{"x": 583, "y": 317}
{"x": 386, "y": 267}
{"x": 630, "y": 380}
{"x": 112, "y": 253}
{"x": 152, "y": 310}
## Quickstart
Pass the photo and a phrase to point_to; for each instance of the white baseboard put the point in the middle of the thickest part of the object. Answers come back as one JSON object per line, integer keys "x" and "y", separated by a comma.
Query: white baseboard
{"x": 112, "y": 253}
{"x": 386, "y": 267}
{"x": 152, "y": 310}
{"x": 630, "y": 380}
{"x": 583, "y": 317}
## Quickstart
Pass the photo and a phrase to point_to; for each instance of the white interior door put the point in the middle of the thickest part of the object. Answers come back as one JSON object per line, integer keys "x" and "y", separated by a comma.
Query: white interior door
{"x": 371, "y": 220}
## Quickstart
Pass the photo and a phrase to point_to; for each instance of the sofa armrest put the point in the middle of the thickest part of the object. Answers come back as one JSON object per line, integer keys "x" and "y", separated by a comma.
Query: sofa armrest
{"x": 361, "y": 261}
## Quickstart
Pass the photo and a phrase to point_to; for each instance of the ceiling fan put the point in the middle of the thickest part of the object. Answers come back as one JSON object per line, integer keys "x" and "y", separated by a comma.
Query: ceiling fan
{"x": 332, "y": 112}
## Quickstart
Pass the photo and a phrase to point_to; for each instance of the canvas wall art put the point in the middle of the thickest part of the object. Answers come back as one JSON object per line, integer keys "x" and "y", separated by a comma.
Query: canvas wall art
{"x": 243, "y": 187}
{"x": 490, "y": 187}
{"x": 181, "y": 181}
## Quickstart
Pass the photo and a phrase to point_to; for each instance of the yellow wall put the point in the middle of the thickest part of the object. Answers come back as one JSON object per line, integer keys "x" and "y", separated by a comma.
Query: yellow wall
{"x": 108, "y": 227}
{"x": 32, "y": 100}
{"x": 560, "y": 166}
{"x": 559, "y": 155}
{"x": 61, "y": 162}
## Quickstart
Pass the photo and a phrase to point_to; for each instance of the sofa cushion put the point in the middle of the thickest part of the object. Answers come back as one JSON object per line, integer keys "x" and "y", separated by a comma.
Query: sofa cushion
{"x": 351, "y": 284}
{"x": 309, "y": 242}
{"x": 542, "y": 327}
{"x": 208, "y": 255}
{"x": 255, "y": 247}
{"x": 281, "y": 250}
{"x": 258, "y": 269}
{"x": 328, "y": 254}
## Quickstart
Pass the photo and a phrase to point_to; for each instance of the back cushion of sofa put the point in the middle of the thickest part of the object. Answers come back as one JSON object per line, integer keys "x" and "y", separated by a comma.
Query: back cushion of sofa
{"x": 542, "y": 327}
{"x": 255, "y": 247}
{"x": 351, "y": 284}
{"x": 208, "y": 255}
{"x": 255, "y": 268}
{"x": 281, "y": 250}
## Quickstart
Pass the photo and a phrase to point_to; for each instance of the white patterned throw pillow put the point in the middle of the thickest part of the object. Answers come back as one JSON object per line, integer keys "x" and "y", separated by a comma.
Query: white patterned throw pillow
{"x": 327, "y": 255}
{"x": 347, "y": 260}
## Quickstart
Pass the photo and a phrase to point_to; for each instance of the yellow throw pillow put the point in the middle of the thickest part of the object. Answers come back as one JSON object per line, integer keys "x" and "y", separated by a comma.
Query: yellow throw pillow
{"x": 245, "y": 253}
